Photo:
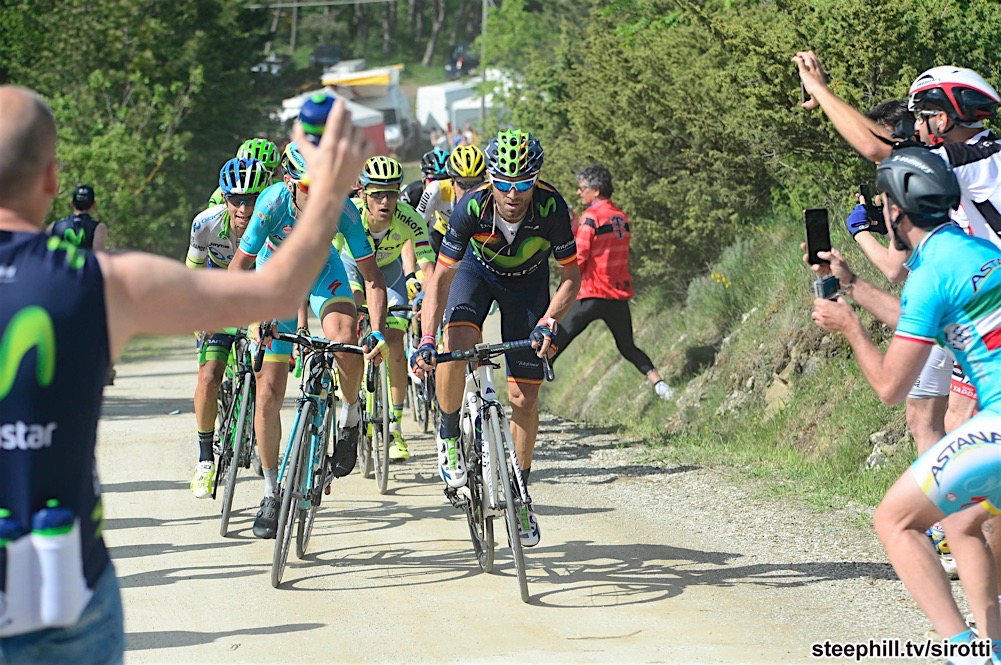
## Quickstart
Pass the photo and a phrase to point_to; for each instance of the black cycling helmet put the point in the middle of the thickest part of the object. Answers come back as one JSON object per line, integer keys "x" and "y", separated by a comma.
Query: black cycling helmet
{"x": 434, "y": 163}
{"x": 921, "y": 183}
{"x": 83, "y": 197}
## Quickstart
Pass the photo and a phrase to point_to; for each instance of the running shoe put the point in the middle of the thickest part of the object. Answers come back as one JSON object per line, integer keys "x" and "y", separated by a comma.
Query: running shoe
{"x": 451, "y": 466}
{"x": 266, "y": 522}
{"x": 203, "y": 480}
{"x": 399, "y": 450}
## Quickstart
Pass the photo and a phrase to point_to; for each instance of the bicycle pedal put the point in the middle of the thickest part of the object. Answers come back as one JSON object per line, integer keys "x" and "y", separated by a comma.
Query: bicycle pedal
{"x": 455, "y": 499}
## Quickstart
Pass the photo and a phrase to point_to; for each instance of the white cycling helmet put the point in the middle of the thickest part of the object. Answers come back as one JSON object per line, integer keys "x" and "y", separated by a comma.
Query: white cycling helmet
{"x": 960, "y": 92}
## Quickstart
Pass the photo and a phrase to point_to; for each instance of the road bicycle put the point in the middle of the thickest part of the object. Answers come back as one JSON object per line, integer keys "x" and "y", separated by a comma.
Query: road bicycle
{"x": 421, "y": 393}
{"x": 377, "y": 410}
{"x": 494, "y": 486}
{"x": 304, "y": 475}
{"x": 235, "y": 443}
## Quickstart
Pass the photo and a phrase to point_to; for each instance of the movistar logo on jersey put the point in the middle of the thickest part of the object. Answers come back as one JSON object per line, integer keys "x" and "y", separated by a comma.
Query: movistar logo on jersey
{"x": 29, "y": 328}
{"x": 26, "y": 436}
{"x": 74, "y": 237}
{"x": 548, "y": 208}
{"x": 75, "y": 257}
{"x": 473, "y": 207}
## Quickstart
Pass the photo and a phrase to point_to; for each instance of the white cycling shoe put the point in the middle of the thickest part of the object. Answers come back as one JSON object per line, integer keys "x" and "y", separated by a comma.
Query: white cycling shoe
{"x": 451, "y": 466}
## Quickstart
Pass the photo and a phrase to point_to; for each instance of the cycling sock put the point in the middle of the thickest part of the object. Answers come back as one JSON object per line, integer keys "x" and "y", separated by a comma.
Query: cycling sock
{"x": 270, "y": 482}
{"x": 397, "y": 418}
{"x": 205, "y": 453}
{"x": 449, "y": 425}
{"x": 350, "y": 414}
{"x": 524, "y": 476}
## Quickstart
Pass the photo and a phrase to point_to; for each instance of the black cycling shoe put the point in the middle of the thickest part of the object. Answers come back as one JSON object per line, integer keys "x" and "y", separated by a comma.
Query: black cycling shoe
{"x": 342, "y": 462}
{"x": 266, "y": 522}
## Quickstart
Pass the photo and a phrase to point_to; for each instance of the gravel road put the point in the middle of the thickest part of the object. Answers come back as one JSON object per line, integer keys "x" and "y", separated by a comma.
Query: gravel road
{"x": 638, "y": 562}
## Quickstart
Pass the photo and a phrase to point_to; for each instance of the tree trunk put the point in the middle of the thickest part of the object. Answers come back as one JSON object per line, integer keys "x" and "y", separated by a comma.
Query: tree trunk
{"x": 418, "y": 23}
{"x": 361, "y": 26}
{"x": 387, "y": 27}
{"x": 437, "y": 20}
{"x": 460, "y": 22}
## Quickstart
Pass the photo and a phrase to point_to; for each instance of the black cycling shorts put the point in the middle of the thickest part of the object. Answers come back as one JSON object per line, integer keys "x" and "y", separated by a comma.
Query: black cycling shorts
{"x": 522, "y": 302}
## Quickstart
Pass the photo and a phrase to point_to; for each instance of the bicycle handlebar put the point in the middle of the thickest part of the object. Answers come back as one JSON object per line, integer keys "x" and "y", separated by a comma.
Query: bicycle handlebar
{"x": 392, "y": 309}
{"x": 484, "y": 352}
{"x": 316, "y": 343}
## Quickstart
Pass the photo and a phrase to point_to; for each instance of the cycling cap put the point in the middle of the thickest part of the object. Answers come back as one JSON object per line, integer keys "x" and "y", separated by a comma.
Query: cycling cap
{"x": 83, "y": 197}
{"x": 921, "y": 183}
{"x": 262, "y": 150}
{"x": 243, "y": 176}
{"x": 514, "y": 153}
{"x": 293, "y": 163}
{"x": 381, "y": 171}
{"x": 466, "y": 161}
{"x": 962, "y": 93}
{"x": 434, "y": 163}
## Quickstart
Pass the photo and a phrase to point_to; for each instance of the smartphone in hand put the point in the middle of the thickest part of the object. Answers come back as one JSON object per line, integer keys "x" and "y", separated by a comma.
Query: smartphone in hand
{"x": 818, "y": 234}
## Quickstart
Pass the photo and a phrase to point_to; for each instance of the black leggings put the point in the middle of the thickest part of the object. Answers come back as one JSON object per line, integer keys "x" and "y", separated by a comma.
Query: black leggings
{"x": 615, "y": 314}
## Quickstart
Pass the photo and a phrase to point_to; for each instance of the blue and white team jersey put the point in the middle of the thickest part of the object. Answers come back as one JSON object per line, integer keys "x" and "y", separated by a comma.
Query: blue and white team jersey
{"x": 953, "y": 297}
{"x": 274, "y": 217}
{"x": 211, "y": 238}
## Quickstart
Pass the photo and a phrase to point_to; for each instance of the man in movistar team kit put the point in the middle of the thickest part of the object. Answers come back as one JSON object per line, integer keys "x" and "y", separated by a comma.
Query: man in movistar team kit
{"x": 80, "y": 228}
{"x": 497, "y": 247}
{"x": 65, "y": 313}
{"x": 263, "y": 151}
{"x": 275, "y": 215}
{"x": 466, "y": 168}
{"x": 956, "y": 303}
{"x": 390, "y": 226}
{"x": 215, "y": 235}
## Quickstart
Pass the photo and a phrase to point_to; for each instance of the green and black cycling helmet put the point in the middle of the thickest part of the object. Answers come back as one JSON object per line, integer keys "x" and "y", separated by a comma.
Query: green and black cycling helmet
{"x": 514, "y": 153}
{"x": 921, "y": 183}
{"x": 243, "y": 176}
{"x": 293, "y": 163}
{"x": 434, "y": 164}
{"x": 466, "y": 161}
{"x": 381, "y": 172}
{"x": 262, "y": 150}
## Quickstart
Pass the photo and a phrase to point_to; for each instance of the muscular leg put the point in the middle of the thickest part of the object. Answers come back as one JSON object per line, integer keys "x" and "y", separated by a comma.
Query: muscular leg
{"x": 397, "y": 366}
{"x": 450, "y": 378}
{"x": 524, "y": 399}
{"x": 926, "y": 420}
{"x": 339, "y": 325}
{"x": 206, "y": 407}
{"x": 271, "y": 382}
{"x": 960, "y": 410}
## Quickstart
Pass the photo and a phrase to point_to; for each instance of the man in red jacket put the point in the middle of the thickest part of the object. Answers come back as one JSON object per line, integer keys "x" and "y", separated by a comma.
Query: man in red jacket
{"x": 606, "y": 285}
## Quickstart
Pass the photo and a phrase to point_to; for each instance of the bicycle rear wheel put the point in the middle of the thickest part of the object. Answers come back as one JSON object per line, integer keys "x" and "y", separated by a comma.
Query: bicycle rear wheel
{"x": 318, "y": 485}
{"x": 380, "y": 428}
{"x": 510, "y": 501}
{"x": 481, "y": 525}
{"x": 291, "y": 492}
{"x": 365, "y": 438}
{"x": 236, "y": 448}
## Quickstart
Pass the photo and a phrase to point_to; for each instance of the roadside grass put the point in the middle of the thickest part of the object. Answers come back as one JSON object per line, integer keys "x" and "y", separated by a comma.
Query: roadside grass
{"x": 742, "y": 340}
{"x": 143, "y": 347}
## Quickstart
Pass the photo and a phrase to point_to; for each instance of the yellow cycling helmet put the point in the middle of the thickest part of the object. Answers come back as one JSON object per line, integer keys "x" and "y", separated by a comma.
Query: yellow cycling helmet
{"x": 466, "y": 161}
{"x": 381, "y": 171}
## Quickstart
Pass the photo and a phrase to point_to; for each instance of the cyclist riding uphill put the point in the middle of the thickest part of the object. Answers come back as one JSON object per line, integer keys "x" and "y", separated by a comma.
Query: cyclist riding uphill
{"x": 432, "y": 168}
{"x": 497, "y": 247}
{"x": 263, "y": 151}
{"x": 275, "y": 215}
{"x": 956, "y": 303}
{"x": 215, "y": 235}
{"x": 391, "y": 227}
{"x": 466, "y": 168}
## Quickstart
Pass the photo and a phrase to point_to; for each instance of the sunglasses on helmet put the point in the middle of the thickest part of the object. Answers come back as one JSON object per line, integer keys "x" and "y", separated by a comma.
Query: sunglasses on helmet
{"x": 518, "y": 185}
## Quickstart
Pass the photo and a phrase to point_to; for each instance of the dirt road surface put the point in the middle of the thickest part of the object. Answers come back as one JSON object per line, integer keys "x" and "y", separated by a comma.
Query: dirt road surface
{"x": 637, "y": 563}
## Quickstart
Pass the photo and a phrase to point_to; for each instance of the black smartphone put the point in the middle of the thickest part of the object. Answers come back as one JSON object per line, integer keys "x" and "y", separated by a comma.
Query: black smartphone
{"x": 802, "y": 93}
{"x": 818, "y": 234}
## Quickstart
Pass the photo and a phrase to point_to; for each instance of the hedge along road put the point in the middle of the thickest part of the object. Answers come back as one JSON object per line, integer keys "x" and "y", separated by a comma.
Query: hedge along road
{"x": 637, "y": 563}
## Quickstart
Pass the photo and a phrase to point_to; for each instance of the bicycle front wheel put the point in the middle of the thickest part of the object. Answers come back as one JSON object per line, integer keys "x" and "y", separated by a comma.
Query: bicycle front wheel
{"x": 481, "y": 526}
{"x": 239, "y": 443}
{"x": 510, "y": 499}
{"x": 291, "y": 491}
{"x": 365, "y": 438}
{"x": 380, "y": 428}
{"x": 319, "y": 481}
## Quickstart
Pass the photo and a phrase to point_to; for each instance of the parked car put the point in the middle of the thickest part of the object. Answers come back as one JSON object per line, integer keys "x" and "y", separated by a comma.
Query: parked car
{"x": 327, "y": 55}
{"x": 462, "y": 59}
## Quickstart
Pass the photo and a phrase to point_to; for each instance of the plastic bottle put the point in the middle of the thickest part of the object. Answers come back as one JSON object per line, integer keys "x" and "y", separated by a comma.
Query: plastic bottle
{"x": 55, "y": 534}
{"x": 17, "y": 569}
{"x": 313, "y": 115}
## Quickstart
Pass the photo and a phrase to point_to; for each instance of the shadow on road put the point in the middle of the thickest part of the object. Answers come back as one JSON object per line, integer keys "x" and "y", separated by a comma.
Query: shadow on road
{"x": 187, "y": 638}
{"x": 130, "y": 406}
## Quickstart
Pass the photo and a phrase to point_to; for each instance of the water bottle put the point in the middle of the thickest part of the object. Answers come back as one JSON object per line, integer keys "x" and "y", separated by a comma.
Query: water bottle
{"x": 313, "y": 115}
{"x": 297, "y": 373}
{"x": 17, "y": 569}
{"x": 55, "y": 534}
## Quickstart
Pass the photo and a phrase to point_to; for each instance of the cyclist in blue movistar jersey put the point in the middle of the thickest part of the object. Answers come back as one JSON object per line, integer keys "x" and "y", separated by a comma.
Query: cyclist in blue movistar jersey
{"x": 81, "y": 228}
{"x": 275, "y": 215}
{"x": 957, "y": 304}
{"x": 497, "y": 247}
{"x": 215, "y": 235}
{"x": 69, "y": 313}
